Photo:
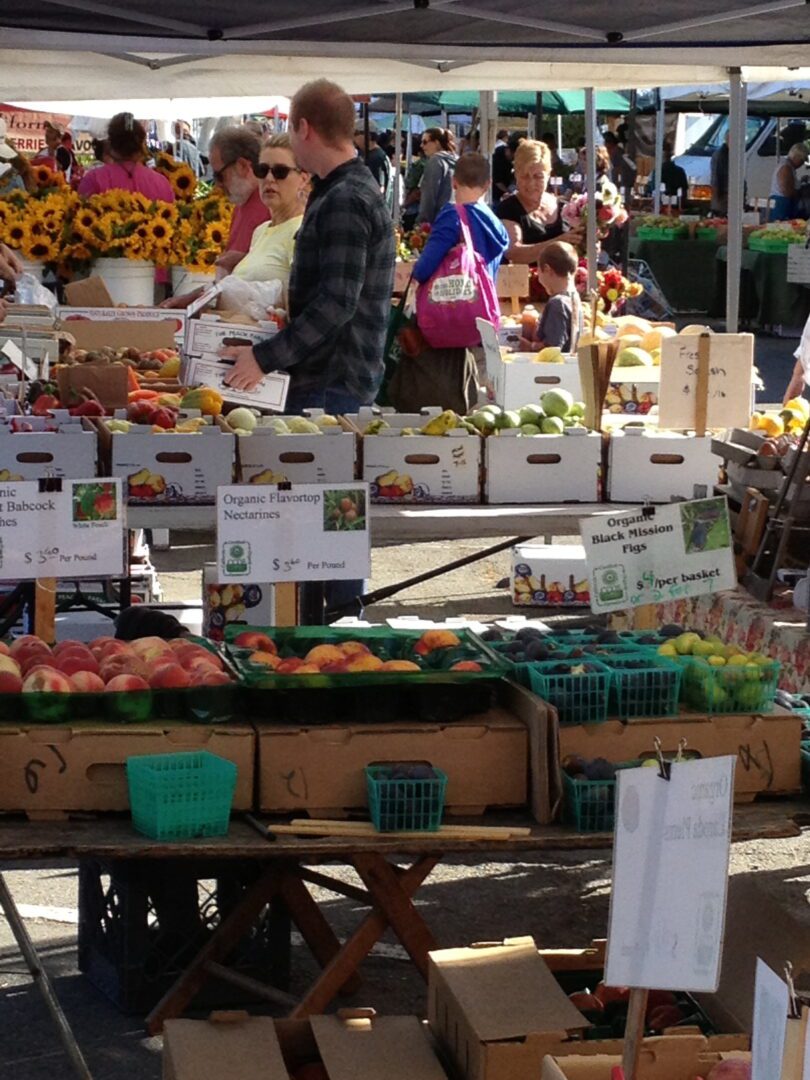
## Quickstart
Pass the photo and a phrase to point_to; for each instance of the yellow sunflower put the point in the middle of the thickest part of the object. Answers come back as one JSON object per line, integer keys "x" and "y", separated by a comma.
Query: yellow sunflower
{"x": 17, "y": 233}
{"x": 184, "y": 182}
{"x": 159, "y": 231}
{"x": 215, "y": 235}
{"x": 46, "y": 177}
{"x": 42, "y": 250}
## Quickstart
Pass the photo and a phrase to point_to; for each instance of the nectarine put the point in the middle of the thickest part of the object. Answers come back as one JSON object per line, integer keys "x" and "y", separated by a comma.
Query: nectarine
{"x": 353, "y": 648}
{"x": 271, "y": 660}
{"x": 253, "y": 639}
{"x": 399, "y": 665}
{"x": 438, "y": 639}
{"x": 365, "y": 662}
{"x": 324, "y": 654}
{"x": 288, "y": 666}
{"x": 466, "y": 665}
{"x": 306, "y": 669}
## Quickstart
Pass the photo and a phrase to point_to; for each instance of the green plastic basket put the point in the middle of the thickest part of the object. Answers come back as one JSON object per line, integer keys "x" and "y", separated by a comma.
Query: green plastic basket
{"x": 181, "y": 796}
{"x": 732, "y": 688}
{"x": 405, "y": 805}
{"x": 650, "y": 232}
{"x": 705, "y": 233}
{"x": 643, "y": 685}
{"x": 590, "y": 805}
{"x": 578, "y": 699}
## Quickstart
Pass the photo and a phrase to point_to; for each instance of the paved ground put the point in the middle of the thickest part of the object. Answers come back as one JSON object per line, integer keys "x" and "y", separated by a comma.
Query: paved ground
{"x": 561, "y": 898}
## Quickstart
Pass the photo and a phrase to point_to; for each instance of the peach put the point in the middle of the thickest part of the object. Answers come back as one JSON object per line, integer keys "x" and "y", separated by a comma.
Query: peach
{"x": 7, "y": 663}
{"x": 68, "y": 643}
{"x": 46, "y": 681}
{"x": 254, "y": 639}
{"x": 189, "y": 652}
{"x": 269, "y": 659}
{"x": 466, "y": 665}
{"x": 33, "y": 659}
{"x": 354, "y": 648}
{"x": 111, "y": 647}
{"x": 436, "y": 639}
{"x": 399, "y": 665}
{"x": 175, "y": 642}
{"x": 4, "y": 649}
{"x": 324, "y": 654}
{"x": 203, "y": 657}
{"x": 365, "y": 662}
{"x": 141, "y": 646}
{"x": 123, "y": 665}
{"x": 86, "y": 682}
{"x": 70, "y": 663}
{"x": 10, "y": 683}
{"x": 205, "y": 675}
{"x": 24, "y": 641}
{"x": 126, "y": 682}
{"x": 169, "y": 677}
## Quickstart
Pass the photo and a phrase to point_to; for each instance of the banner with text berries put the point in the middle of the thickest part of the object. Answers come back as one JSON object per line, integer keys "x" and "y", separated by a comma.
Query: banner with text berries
{"x": 293, "y": 532}
{"x": 61, "y": 529}
{"x": 658, "y": 553}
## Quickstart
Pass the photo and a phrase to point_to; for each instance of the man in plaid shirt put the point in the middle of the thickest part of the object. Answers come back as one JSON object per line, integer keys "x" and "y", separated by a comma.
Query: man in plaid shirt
{"x": 342, "y": 273}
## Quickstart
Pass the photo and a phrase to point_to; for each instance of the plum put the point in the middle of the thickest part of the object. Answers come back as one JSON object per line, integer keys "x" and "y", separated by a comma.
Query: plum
{"x": 600, "y": 769}
{"x": 529, "y": 633}
{"x": 492, "y": 634}
{"x": 537, "y": 650}
{"x": 671, "y": 630}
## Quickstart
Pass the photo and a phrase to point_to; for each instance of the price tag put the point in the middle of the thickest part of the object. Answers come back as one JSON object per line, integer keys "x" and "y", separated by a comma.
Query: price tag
{"x": 307, "y": 532}
{"x": 730, "y": 365}
{"x": 674, "y": 551}
{"x": 798, "y": 264}
{"x": 74, "y": 532}
{"x": 771, "y": 1005}
{"x": 670, "y": 875}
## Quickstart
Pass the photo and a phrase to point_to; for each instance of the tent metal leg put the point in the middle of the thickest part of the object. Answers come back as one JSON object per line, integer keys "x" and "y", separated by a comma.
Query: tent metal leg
{"x": 42, "y": 982}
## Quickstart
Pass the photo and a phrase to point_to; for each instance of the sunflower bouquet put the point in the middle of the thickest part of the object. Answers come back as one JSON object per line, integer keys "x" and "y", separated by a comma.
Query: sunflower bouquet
{"x": 120, "y": 225}
{"x": 202, "y": 232}
{"x": 180, "y": 176}
{"x": 33, "y": 224}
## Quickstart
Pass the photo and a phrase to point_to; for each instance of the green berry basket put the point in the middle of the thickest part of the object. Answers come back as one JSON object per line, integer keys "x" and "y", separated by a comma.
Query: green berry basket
{"x": 643, "y": 685}
{"x": 399, "y": 801}
{"x": 590, "y": 805}
{"x": 730, "y": 688}
{"x": 181, "y": 796}
{"x": 579, "y": 698}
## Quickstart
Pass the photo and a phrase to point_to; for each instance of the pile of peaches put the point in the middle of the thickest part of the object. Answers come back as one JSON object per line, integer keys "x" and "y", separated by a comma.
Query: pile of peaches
{"x": 29, "y": 665}
{"x": 345, "y": 657}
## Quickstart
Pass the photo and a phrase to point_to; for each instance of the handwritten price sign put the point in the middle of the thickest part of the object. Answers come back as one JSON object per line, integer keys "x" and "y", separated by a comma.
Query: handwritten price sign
{"x": 728, "y": 386}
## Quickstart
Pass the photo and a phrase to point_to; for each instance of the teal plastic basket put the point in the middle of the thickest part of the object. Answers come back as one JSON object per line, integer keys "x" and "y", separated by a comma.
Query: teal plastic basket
{"x": 405, "y": 805}
{"x": 590, "y": 805}
{"x": 732, "y": 688}
{"x": 578, "y": 699}
{"x": 643, "y": 685}
{"x": 181, "y": 796}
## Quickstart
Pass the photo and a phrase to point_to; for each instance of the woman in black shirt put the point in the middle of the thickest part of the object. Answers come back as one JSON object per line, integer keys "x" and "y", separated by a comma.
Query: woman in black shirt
{"x": 532, "y": 215}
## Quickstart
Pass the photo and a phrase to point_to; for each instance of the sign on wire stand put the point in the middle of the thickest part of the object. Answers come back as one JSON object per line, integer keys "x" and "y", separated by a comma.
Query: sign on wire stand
{"x": 658, "y": 553}
{"x": 300, "y": 532}
{"x": 670, "y": 875}
{"x": 75, "y": 532}
{"x": 771, "y": 1007}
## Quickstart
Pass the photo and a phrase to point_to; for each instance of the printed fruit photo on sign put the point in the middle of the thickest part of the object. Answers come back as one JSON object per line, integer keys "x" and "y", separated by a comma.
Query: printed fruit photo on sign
{"x": 344, "y": 511}
{"x": 94, "y": 502}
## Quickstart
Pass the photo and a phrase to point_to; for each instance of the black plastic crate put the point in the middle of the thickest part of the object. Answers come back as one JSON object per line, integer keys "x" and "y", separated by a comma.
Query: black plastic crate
{"x": 141, "y": 924}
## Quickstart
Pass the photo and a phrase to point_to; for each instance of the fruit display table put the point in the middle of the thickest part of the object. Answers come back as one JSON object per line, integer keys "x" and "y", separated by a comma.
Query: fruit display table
{"x": 685, "y": 270}
{"x": 739, "y": 619}
{"x": 767, "y": 300}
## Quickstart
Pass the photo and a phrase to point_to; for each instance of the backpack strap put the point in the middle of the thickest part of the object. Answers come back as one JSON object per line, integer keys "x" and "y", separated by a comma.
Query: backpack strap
{"x": 466, "y": 235}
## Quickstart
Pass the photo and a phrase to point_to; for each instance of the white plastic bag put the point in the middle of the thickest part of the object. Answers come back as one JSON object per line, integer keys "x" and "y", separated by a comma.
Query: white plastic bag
{"x": 27, "y": 290}
{"x": 257, "y": 299}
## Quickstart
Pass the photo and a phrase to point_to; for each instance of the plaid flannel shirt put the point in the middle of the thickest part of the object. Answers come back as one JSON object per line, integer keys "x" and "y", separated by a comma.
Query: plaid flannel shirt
{"x": 340, "y": 289}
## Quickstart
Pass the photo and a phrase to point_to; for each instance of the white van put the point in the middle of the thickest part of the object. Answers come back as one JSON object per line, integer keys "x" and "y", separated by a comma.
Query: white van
{"x": 760, "y": 151}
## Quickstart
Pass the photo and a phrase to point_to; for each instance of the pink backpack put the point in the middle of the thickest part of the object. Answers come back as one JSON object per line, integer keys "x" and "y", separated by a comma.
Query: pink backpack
{"x": 460, "y": 292}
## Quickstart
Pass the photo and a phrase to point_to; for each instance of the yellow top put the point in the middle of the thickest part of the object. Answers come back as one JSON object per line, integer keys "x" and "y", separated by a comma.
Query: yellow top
{"x": 271, "y": 252}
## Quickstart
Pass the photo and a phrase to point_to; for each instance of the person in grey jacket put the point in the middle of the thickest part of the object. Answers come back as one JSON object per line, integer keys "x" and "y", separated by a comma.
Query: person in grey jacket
{"x": 439, "y": 148}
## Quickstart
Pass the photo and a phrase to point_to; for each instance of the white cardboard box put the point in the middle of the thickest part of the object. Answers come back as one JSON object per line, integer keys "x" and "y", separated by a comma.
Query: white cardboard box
{"x": 658, "y": 466}
{"x": 267, "y": 458}
{"x": 419, "y": 468}
{"x": 192, "y": 467}
{"x": 69, "y": 453}
{"x": 542, "y": 468}
{"x": 549, "y": 575}
{"x": 518, "y": 380}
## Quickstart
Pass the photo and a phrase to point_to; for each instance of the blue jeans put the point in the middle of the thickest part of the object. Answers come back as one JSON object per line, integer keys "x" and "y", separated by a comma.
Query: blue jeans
{"x": 334, "y": 400}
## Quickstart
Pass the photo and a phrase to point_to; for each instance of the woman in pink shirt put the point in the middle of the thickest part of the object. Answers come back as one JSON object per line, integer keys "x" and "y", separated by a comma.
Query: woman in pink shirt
{"x": 127, "y": 172}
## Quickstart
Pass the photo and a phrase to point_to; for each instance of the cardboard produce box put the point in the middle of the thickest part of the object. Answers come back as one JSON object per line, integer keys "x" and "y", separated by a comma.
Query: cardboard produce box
{"x": 353, "y": 1045}
{"x": 766, "y": 746}
{"x": 268, "y": 458}
{"x": 419, "y": 468}
{"x": 668, "y": 1057}
{"x": 659, "y": 465}
{"x": 542, "y": 468}
{"x": 108, "y": 382}
{"x": 47, "y": 768}
{"x": 169, "y": 469}
{"x": 517, "y": 379}
{"x": 71, "y": 452}
{"x": 139, "y": 328}
{"x": 495, "y": 758}
{"x": 549, "y": 575}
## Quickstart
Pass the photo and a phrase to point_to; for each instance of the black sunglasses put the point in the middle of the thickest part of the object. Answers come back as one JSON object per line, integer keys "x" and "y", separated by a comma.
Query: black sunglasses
{"x": 279, "y": 172}
{"x": 218, "y": 174}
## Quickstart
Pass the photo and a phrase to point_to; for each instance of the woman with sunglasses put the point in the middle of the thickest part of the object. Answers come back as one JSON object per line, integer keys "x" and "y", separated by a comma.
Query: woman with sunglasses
{"x": 283, "y": 189}
{"x": 439, "y": 148}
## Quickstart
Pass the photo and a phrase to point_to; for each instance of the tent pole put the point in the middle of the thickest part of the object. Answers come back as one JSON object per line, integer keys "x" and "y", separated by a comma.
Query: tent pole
{"x": 409, "y": 142}
{"x": 660, "y": 127}
{"x": 538, "y": 114}
{"x": 559, "y": 133}
{"x": 397, "y": 159}
{"x": 590, "y": 151}
{"x": 736, "y": 196}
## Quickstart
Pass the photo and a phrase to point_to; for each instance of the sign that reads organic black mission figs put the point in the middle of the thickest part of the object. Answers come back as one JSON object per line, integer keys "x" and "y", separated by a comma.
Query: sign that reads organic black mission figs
{"x": 296, "y": 532}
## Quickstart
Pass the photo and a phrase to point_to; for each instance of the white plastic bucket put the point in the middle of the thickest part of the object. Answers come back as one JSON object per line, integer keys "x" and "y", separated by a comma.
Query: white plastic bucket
{"x": 186, "y": 281}
{"x": 35, "y": 269}
{"x": 128, "y": 281}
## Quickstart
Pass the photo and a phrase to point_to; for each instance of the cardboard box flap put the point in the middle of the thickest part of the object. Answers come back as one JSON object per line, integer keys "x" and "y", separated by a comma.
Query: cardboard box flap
{"x": 394, "y": 1047}
{"x": 210, "y": 1050}
{"x": 89, "y": 292}
{"x": 506, "y": 991}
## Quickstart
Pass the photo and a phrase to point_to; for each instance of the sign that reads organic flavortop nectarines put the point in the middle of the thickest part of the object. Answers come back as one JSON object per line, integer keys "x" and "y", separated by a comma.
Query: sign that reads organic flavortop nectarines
{"x": 75, "y": 532}
{"x": 301, "y": 532}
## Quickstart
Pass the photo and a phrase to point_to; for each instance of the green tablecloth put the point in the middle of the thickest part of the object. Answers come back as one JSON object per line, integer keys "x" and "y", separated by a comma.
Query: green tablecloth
{"x": 767, "y": 300}
{"x": 685, "y": 270}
